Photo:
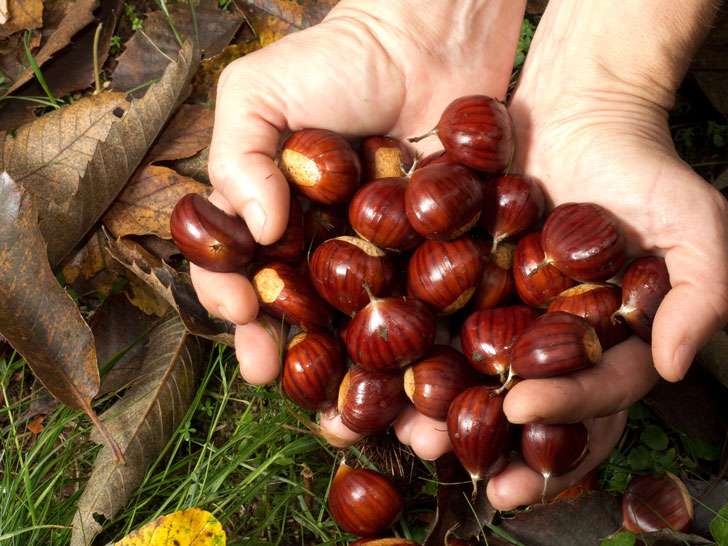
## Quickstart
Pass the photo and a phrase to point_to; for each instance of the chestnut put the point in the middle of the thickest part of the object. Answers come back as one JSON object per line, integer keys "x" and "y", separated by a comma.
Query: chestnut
{"x": 289, "y": 248}
{"x": 209, "y": 237}
{"x": 496, "y": 287}
{"x": 321, "y": 165}
{"x": 377, "y": 214}
{"x": 445, "y": 274}
{"x": 286, "y": 294}
{"x": 433, "y": 382}
{"x": 370, "y": 401}
{"x": 324, "y": 222}
{"x": 553, "y": 449}
{"x": 363, "y": 501}
{"x": 383, "y": 157}
{"x": 555, "y": 343}
{"x": 583, "y": 241}
{"x": 536, "y": 284}
{"x": 341, "y": 267}
{"x": 650, "y": 504}
{"x": 443, "y": 202}
{"x": 476, "y": 131}
{"x": 644, "y": 286}
{"x": 312, "y": 370}
{"x": 479, "y": 432}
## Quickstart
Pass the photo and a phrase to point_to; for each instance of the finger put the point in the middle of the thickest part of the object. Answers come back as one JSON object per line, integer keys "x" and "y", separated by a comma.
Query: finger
{"x": 226, "y": 295}
{"x": 342, "y": 435}
{"x": 244, "y": 142}
{"x": 519, "y": 485}
{"x": 427, "y": 437}
{"x": 623, "y": 375}
{"x": 258, "y": 350}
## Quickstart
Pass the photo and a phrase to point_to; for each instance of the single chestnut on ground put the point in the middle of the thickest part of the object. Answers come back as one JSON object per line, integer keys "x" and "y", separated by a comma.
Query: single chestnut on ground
{"x": 650, "y": 504}
{"x": 209, "y": 237}
{"x": 363, "y": 502}
{"x": 321, "y": 165}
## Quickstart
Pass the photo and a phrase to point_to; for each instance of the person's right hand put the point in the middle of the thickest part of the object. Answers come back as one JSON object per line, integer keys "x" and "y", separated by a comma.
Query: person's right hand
{"x": 370, "y": 68}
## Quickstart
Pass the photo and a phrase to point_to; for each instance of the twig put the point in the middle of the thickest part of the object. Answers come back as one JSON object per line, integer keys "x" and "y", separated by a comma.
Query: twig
{"x": 97, "y": 75}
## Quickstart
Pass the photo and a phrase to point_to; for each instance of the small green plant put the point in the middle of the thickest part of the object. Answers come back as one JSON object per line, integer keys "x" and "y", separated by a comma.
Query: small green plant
{"x": 136, "y": 21}
{"x": 115, "y": 45}
{"x": 524, "y": 42}
{"x": 718, "y": 133}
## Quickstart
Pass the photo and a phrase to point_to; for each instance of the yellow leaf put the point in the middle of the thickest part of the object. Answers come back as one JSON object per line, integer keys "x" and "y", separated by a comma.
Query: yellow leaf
{"x": 191, "y": 527}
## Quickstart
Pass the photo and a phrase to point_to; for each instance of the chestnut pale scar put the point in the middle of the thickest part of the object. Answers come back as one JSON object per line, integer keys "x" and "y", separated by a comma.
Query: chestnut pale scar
{"x": 268, "y": 285}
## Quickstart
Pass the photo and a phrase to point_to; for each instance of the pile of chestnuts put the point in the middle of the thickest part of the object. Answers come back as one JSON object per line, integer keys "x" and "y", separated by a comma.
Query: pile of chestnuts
{"x": 380, "y": 250}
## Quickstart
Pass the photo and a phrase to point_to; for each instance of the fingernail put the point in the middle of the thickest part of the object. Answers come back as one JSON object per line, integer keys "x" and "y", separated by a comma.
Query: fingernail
{"x": 255, "y": 218}
{"x": 223, "y": 313}
{"x": 683, "y": 358}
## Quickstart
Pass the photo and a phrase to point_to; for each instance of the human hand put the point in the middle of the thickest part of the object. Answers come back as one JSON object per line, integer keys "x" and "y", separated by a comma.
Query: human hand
{"x": 590, "y": 112}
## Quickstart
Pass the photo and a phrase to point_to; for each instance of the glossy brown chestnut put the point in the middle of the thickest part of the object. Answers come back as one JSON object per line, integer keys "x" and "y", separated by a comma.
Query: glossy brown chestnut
{"x": 512, "y": 206}
{"x": 537, "y": 285}
{"x": 209, "y": 237}
{"x": 436, "y": 158}
{"x": 286, "y": 294}
{"x": 289, "y": 248}
{"x": 324, "y": 222}
{"x": 595, "y": 302}
{"x": 433, "y": 382}
{"x": 321, "y": 165}
{"x": 370, "y": 401}
{"x": 363, "y": 501}
{"x": 479, "y": 431}
{"x": 476, "y": 131}
{"x": 390, "y": 332}
{"x": 588, "y": 482}
{"x": 487, "y": 337}
{"x": 496, "y": 287}
{"x": 553, "y": 449}
{"x": 583, "y": 241}
{"x": 555, "y": 343}
{"x": 377, "y": 214}
{"x": 644, "y": 286}
{"x": 312, "y": 370}
{"x": 650, "y": 504}
{"x": 445, "y": 274}
{"x": 383, "y": 157}
{"x": 341, "y": 267}
{"x": 443, "y": 202}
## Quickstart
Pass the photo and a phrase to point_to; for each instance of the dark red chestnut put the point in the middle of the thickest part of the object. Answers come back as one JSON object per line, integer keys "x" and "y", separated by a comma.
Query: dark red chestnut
{"x": 553, "y": 449}
{"x": 324, "y": 222}
{"x": 363, "y": 501}
{"x": 651, "y": 504}
{"x": 588, "y": 482}
{"x": 383, "y": 157}
{"x": 289, "y": 248}
{"x": 497, "y": 287}
{"x": 436, "y": 158}
{"x": 479, "y": 431}
{"x": 487, "y": 337}
{"x": 370, "y": 401}
{"x": 312, "y": 370}
{"x": 595, "y": 302}
{"x": 433, "y": 382}
{"x": 443, "y": 202}
{"x": 536, "y": 284}
{"x": 390, "y": 332}
{"x": 644, "y": 286}
{"x": 209, "y": 237}
{"x": 341, "y": 267}
{"x": 476, "y": 131}
{"x": 445, "y": 274}
{"x": 377, "y": 214}
{"x": 555, "y": 343}
{"x": 583, "y": 241}
{"x": 321, "y": 165}
{"x": 512, "y": 206}
{"x": 286, "y": 294}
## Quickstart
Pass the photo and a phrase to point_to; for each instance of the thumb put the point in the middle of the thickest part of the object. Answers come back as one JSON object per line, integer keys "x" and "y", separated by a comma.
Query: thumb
{"x": 241, "y": 164}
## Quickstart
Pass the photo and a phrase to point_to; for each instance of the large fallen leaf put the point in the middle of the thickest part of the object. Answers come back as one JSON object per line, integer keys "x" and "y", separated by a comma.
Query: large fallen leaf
{"x": 37, "y": 316}
{"x": 191, "y": 527}
{"x": 22, "y": 15}
{"x": 146, "y": 55}
{"x": 143, "y": 420}
{"x": 146, "y": 203}
{"x": 188, "y": 132}
{"x": 77, "y": 159}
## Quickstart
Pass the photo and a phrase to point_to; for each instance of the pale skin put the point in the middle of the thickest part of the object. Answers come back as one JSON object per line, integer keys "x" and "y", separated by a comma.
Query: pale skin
{"x": 590, "y": 112}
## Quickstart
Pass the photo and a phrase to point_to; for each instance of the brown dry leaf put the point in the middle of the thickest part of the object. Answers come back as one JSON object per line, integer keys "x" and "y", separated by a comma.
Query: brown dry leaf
{"x": 22, "y": 15}
{"x": 173, "y": 286}
{"x": 77, "y": 159}
{"x": 146, "y": 299}
{"x": 204, "y": 84}
{"x": 191, "y": 527}
{"x": 147, "y": 54}
{"x": 91, "y": 267}
{"x": 37, "y": 316}
{"x": 271, "y": 20}
{"x": 146, "y": 203}
{"x": 188, "y": 132}
{"x": 12, "y": 53}
{"x": 193, "y": 167}
{"x": 142, "y": 421}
